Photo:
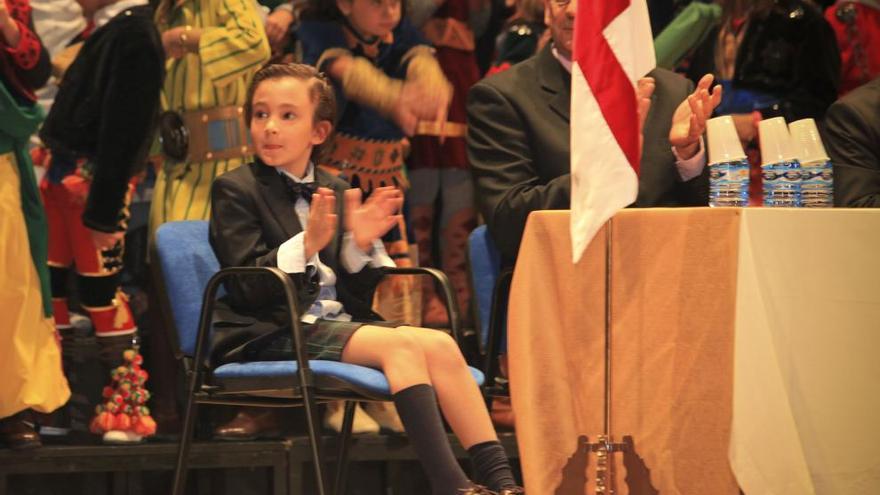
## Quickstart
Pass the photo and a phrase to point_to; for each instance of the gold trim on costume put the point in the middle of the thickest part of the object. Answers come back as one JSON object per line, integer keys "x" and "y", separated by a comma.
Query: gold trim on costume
{"x": 450, "y": 129}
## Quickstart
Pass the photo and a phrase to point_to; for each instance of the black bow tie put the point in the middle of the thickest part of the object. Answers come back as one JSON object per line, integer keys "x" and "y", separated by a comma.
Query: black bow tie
{"x": 298, "y": 190}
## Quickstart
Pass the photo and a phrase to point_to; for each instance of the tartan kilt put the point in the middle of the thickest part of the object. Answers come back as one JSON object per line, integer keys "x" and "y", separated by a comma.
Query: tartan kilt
{"x": 325, "y": 339}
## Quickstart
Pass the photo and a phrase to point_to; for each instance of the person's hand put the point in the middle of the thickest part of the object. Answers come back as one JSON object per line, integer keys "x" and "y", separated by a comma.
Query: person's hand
{"x": 277, "y": 25}
{"x": 172, "y": 42}
{"x": 644, "y": 90}
{"x": 321, "y": 225}
{"x": 689, "y": 119}
{"x": 105, "y": 240}
{"x": 404, "y": 114}
{"x": 370, "y": 220}
{"x": 8, "y": 26}
{"x": 746, "y": 127}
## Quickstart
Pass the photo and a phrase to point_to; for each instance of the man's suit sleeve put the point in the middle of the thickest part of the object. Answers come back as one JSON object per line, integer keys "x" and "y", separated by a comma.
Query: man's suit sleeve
{"x": 855, "y": 154}
{"x": 505, "y": 170}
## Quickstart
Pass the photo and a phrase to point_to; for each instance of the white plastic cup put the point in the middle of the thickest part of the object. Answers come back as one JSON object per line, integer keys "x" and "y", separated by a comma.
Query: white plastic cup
{"x": 807, "y": 143}
{"x": 776, "y": 146}
{"x": 724, "y": 144}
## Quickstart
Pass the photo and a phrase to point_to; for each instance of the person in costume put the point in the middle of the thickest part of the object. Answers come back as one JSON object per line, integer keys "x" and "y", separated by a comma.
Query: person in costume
{"x": 213, "y": 50}
{"x": 101, "y": 125}
{"x": 30, "y": 358}
{"x": 387, "y": 81}
{"x": 442, "y": 193}
{"x": 283, "y": 211}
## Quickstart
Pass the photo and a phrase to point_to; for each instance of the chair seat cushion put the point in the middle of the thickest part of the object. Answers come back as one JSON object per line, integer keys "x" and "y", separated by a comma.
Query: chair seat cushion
{"x": 278, "y": 378}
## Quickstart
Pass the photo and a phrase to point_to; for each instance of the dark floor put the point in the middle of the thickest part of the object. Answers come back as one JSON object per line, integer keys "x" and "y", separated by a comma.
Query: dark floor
{"x": 380, "y": 465}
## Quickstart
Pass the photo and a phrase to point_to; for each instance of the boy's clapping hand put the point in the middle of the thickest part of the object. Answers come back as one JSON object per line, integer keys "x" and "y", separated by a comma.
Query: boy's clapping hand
{"x": 322, "y": 221}
{"x": 370, "y": 220}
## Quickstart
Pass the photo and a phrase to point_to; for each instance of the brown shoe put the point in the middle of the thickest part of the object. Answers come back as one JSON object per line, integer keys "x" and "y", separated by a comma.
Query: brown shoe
{"x": 19, "y": 434}
{"x": 249, "y": 424}
{"x": 516, "y": 490}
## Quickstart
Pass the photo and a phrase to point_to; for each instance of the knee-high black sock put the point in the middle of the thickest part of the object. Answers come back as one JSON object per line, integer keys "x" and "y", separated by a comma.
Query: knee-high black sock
{"x": 491, "y": 467}
{"x": 417, "y": 407}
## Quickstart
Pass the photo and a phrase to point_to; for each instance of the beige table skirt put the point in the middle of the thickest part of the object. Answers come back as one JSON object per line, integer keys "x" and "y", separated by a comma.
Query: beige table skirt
{"x": 743, "y": 345}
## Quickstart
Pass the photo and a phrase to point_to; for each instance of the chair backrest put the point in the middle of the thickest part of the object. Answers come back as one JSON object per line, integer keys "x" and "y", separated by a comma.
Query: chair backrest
{"x": 187, "y": 263}
{"x": 485, "y": 264}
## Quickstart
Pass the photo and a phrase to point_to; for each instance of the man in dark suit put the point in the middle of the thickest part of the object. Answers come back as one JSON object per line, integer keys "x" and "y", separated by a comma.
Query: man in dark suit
{"x": 852, "y": 136}
{"x": 518, "y": 137}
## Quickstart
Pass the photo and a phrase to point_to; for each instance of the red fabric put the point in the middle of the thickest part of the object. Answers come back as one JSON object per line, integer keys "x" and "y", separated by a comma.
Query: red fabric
{"x": 69, "y": 240}
{"x": 460, "y": 67}
{"x": 605, "y": 75}
{"x": 859, "y": 45}
{"x": 26, "y": 53}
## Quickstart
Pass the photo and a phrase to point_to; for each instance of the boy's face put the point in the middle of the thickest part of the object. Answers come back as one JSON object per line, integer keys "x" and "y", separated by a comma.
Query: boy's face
{"x": 281, "y": 124}
{"x": 371, "y": 17}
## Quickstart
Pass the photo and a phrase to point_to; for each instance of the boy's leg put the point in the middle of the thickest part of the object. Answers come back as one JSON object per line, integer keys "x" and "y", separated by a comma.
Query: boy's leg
{"x": 400, "y": 357}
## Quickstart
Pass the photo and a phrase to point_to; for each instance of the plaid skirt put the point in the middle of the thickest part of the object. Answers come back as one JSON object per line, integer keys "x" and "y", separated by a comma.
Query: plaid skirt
{"x": 325, "y": 339}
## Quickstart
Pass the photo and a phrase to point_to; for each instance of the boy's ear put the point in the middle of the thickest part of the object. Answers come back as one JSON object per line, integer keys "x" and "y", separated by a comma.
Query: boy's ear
{"x": 321, "y": 131}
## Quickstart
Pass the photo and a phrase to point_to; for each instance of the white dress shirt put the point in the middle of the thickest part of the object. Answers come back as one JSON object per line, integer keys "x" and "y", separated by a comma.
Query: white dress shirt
{"x": 292, "y": 259}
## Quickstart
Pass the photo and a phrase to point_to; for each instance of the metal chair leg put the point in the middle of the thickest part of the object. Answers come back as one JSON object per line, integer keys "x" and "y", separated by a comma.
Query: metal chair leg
{"x": 315, "y": 439}
{"x": 342, "y": 449}
{"x": 186, "y": 436}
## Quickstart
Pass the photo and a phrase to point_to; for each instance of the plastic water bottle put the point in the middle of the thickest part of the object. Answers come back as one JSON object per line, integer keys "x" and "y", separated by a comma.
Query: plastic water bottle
{"x": 817, "y": 183}
{"x": 782, "y": 184}
{"x": 780, "y": 169}
{"x": 729, "y": 183}
{"x": 728, "y": 167}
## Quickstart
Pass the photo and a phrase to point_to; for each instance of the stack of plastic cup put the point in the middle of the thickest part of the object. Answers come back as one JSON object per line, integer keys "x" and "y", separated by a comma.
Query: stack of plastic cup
{"x": 780, "y": 169}
{"x": 817, "y": 183}
{"x": 728, "y": 167}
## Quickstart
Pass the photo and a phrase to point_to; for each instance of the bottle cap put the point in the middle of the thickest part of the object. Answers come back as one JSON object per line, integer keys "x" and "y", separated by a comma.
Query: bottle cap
{"x": 807, "y": 142}
{"x": 724, "y": 145}
{"x": 775, "y": 141}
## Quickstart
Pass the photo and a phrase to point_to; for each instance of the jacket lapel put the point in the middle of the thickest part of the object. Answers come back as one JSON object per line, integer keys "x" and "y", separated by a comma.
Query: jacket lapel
{"x": 274, "y": 193}
{"x": 556, "y": 81}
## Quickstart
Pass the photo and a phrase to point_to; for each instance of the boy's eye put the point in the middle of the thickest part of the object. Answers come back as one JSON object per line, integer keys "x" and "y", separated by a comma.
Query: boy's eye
{"x": 288, "y": 116}
{"x": 260, "y": 114}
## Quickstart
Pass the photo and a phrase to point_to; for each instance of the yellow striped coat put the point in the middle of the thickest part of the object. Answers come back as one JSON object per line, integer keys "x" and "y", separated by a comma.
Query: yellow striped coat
{"x": 233, "y": 46}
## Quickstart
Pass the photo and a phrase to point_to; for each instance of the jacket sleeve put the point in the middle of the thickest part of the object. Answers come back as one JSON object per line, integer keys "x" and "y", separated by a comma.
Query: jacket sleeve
{"x": 855, "y": 155}
{"x": 126, "y": 126}
{"x": 505, "y": 170}
{"x": 236, "y": 48}
{"x": 236, "y": 235}
{"x": 30, "y": 59}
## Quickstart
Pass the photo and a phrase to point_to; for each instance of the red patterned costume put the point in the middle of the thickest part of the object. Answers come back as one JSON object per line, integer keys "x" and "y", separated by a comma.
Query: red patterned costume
{"x": 98, "y": 131}
{"x": 442, "y": 196}
{"x": 856, "y": 25}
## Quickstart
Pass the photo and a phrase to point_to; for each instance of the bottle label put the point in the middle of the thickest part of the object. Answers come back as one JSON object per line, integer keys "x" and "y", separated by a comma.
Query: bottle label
{"x": 729, "y": 183}
{"x": 782, "y": 184}
{"x": 817, "y": 185}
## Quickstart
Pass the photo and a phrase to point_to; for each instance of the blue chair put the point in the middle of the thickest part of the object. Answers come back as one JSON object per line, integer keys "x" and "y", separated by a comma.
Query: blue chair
{"x": 190, "y": 277}
{"x": 491, "y": 287}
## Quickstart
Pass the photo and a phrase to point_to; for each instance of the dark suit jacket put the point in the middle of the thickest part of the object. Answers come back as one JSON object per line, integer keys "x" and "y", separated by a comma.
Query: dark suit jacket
{"x": 251, "y": 216}
{"x": 106, "y": 109}
{"x": 518, "y": 146}
{"x": 852, "y": 138}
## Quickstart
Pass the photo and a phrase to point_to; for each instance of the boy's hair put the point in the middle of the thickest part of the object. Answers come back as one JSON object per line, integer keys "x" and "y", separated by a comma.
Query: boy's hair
{"x": 321, "y": 93}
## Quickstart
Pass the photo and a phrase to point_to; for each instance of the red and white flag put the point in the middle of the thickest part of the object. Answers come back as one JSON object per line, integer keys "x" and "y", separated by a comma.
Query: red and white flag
{"x": 613, "y": 48}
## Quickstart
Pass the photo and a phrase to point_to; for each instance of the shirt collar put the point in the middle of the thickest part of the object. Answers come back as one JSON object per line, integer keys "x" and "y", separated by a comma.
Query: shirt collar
{"x": 104, "y": 14}
{"x": 565, "y": 61}
{"x": 309, "y": 177}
